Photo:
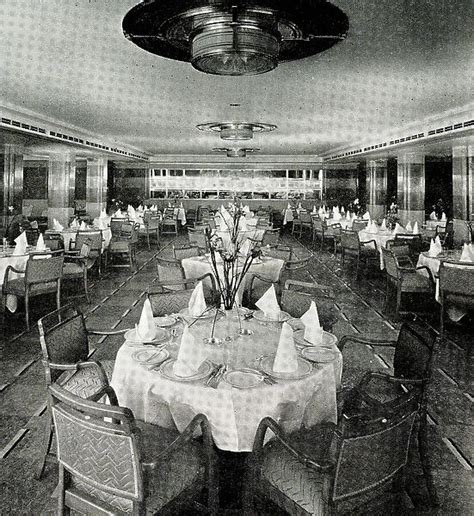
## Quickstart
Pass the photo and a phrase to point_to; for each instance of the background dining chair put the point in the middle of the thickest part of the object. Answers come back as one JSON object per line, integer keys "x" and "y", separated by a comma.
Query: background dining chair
{"x": 351, "y": 246}
{"x": 271, "y": 237}
{"x": 197, "y": 236}
{"x": 446, "y": 234}
{"x": 151, "y": 226}
{"x": 303, "y": 222}
{"x": 351, "y": 468}
{"x": 116, "y": 225}
{"x": 111, "y": 464}
{"x": 53, "y": 241}
{"x": 124, "y": 246}
{"x": 169, "y": 223}
{"x": 169, "y": 270}
{"x": 42, "y": 275}
{"x": 404, "y": 280}
{"x": 282, "y": 252}
{"x": 95, "y": 240}
{"x": 65, "y": 350}
{"x": 191, "y": 217}
{"x": 77, "y": 264}
{"x": 258, "y": 284}
{"x": 359, "y": 224}
{"x": 331, "y": 233}
{"x": 414, "y": 243}
{"x": 186, "y": 251}
{"x": 456, "y": 288}
{"x": 470, "y": 230}
{"x": 296, "y": 298}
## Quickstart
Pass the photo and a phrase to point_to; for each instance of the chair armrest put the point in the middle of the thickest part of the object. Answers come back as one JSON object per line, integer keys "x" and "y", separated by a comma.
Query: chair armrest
{"x": 208, "y": 276}
{"x": 12, "y": 269}
{"x": 430, "y": 274}
{"x": 369, "y": 242}
{"x": 92, "y": 331}
{"x": 81, "y": 365}
{"x": 365, "y": 340}
{"x": 269, "y": 423}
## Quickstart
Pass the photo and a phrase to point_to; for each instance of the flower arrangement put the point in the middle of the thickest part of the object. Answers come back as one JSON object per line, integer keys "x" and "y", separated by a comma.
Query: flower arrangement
{"x": 392, "y": 214}
{"x": 356, "y": 207}
{"x": 230, "y": 262}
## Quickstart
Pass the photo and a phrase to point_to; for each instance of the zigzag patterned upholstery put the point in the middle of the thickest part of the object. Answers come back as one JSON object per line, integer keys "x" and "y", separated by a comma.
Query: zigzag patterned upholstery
{"x": 101, "y": 451}
{"x": 169, "y": 270}
{"x": 297, "y": 303}
{"x": 166, "y": 303}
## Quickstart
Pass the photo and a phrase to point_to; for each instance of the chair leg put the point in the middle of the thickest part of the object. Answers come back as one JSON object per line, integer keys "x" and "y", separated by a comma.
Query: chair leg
{"x": 441, "y": 321}
{"x": 85, "y": 285}
{"x": 425, "y": 461}
{"x": 58, "y": 296}
{"x": 399, "y": 302}
{"x": 45, "y": 447}
{"x": 27, "y": 311}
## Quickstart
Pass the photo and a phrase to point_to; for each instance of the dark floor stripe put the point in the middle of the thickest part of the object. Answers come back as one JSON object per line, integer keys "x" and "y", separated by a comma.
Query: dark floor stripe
{"x": 24, "y": 367}
{"x": 453, "y": 448}
{"x": 13, "y": 442}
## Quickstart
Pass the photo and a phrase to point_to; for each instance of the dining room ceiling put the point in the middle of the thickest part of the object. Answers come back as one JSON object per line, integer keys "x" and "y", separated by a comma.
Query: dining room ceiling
{"x": 403, "y": 62}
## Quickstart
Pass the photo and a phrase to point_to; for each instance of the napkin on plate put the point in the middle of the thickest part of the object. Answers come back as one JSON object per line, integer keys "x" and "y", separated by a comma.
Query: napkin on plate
{"x": 286, "y": 359}
{"x": 320, "y": 211}
{"x": 408, "y": 227}
{"x": 103, "y": 214}
{"x": 102, "y": 224}
{"x": 40, "y": 243}
{"x": 466, "y": 255}
{"x": 337, "y": 216}
{"x": 197, "y": 303}
{"x": 83, "y": 226}
{"x": 146, "y": 329}
{"x": 154, "y": 208}
{"x": 57, "y": 226}
{"x": 268, "y": 304}
{"x": 398, "y": 229}
{"x": 366, "y": 216}
{"x": 313, "y": 332}
{"x": 438, "y": 244}
{"x": 348, "y": 216}
{"x": 190, "y": 356}
{"x": 118, "y": 213}
{"x": 74, "y": 224}
{"x": 342, "y": 210}
{"x": 443, "y": 216}
{"x": 415, "y": 231}
{"x": 383, "y": 226}
{"x": 433, "y": 216}
{"x": 434, "y": 250}
{"x": 21, "y": 244}
{"x": 315, "y": 210}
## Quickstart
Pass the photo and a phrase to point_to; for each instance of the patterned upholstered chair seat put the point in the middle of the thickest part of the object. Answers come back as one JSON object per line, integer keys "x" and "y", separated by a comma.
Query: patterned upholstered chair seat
{"x": 416, "y": 283}
{"x": 16, "y": 287}
{"x": 85, "y": 382}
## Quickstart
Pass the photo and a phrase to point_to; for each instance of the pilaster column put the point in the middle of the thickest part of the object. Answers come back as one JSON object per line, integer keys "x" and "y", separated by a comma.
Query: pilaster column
{"x": 376, "y": 187}
{"x": 411, "y": 188}
{"x": 96, "y": 186}
{"x": 463, "y": 190}
{"x": 11, "y": 180}
{"x": 61, "y": 186}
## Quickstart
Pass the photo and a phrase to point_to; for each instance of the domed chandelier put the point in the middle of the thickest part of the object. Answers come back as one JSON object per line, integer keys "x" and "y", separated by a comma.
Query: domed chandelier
{"x": 236, "y": 130}
{"x": 235, "y": 37}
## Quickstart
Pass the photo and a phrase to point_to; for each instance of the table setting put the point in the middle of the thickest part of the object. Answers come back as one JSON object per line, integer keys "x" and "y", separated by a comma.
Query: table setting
{"x": 231, "y": 366}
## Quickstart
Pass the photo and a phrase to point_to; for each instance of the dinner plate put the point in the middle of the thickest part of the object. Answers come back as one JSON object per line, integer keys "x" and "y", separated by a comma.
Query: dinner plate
{"x": 328, "y": 341}
{"x": 243, "y": 378}
{"x": 318, "y": 355}
{"x": 161, "y": 337}
{"x": 261, "y": 317}
{"x": 165, "y": 321}
{"x": 304, "y": 368}
{"x": 166, "y": 370}
{"x": 206, "y": 315}
{"x": 150, "y": 356}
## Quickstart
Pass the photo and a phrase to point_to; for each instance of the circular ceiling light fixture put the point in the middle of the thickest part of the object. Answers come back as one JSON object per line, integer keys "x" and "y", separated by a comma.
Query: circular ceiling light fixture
{"x": 236, "y": 153}
{"x": 239, "y": 37}
{"x": 236, "y": 130}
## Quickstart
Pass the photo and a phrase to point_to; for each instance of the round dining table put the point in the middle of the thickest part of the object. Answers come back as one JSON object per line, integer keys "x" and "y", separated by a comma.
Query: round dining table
{"x": 234, "y": 413}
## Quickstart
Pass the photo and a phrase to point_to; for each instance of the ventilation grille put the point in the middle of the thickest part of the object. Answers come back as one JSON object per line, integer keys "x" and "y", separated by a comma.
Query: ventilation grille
{"x": 66, "y": 137}
{"x": 433, "y": 132}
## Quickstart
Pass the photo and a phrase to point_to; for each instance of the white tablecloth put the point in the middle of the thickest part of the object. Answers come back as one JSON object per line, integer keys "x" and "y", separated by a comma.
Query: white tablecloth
{"x": 255, "y": 234}
{"x": 268, "y": 267}
{"x": 234, "y": 414}
{"x": 433, "y": 263}
{"x": 19, "y": 262}
{"x": 287, "y": 216}
{"x": 381, "y": 238}
{"x": 345, "y": 224}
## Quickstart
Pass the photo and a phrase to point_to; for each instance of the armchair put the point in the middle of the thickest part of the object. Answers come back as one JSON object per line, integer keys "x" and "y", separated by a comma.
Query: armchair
{"x": 124, "y": 245}
{"x": 353, "y": 247}
{"x": 65, "y": 349}
{"x": 111, "y": 464}
{"x": 186, "y": 251}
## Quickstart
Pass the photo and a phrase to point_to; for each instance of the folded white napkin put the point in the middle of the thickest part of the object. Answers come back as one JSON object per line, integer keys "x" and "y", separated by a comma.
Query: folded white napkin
{"x": 438, "y": 244}
{"x": 118, "y": 213}
{"x": 190, "y": 355}
{"x": 398, "y": 229}
{"x": 443, "y": 216}
{"x": 342, "y": 210}
{"x": 434, "y": 250}
{"x": 383, "y": 226}
{"x": 83, "y": 226}
{"x": 375, "y": 228}
{"x": 34, "y": 224}
{"x": 320, "y": 211}
{"x": 102, "y": 224}
{"x": 356, "y": 201}
{"x": 197, "y": 303}
{"x": 74, "y": 224}
{"x": 313, "y": 332}
{"x": 268, "y": 304}
{"x": 57, "y": 226}
{"x": 466, "y": 255}
{"x": 288, "y": 207}
{"x": 315, "y": 210}
{"x": 40, "y": 243}
{"x": 169, "y": 205}
{"x": 226, "y": 216}
{"x": 246, "y": 209}
{"x": 103, "y": 214}
{"x": 433, "y": 216}
{"x": 366, "y": 216}
{"x": 246, "y": 247}
{"x": 335, "y": 209}
{"x": 146, "y": 328}
{"x": 337, "y": 216}
{"x": 131, "y": 212}
{"x": 286, "y": 358}
{"x": 408, "y": 227}
{"x": 21, "y": 244}
{"x": 140, "y": 208}
{"x": 416, "y": 231}
{"x": 243, "y": 224}
{"x": 348, "y": 216}
{"x": 154, "y": 208}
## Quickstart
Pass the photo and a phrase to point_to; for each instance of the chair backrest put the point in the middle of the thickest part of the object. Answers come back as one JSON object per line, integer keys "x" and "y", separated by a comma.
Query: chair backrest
{"x": 186, "y": 251}
{"x": 414, "y": 352}
{"x": 197, "y": 237}
{"x": 457, "y": 279}
{"x": 271, "y": 237}
{"x": 280, "y": 252}
{"x": 63, "y": 338}
{"x": 305, "y": 217}
{"x": 41, "y": 268}
{"x": 297, "y": 302}
{"x": 116, "y": 225}
{"x": 258, "y": 285}
{"x": 359, "y": 224}
{"x": 99, "y": 446}
{"x": 169, "y": 270}
{"x": 391, "y": 264}
{"x": 371, "y": 452}
{"x": 93, "y": 238}
{"x": 54, "y": 241}
{"x": 166, "y": 303}
{"x": 350, "y": 240}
